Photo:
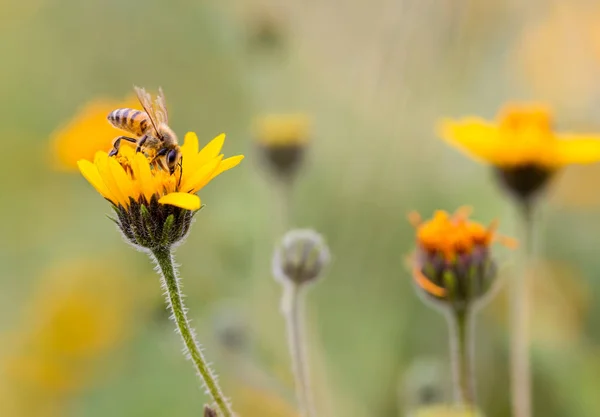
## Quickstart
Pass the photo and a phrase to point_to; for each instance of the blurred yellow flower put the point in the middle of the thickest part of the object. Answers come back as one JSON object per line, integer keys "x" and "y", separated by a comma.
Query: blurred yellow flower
{"x": 562, "y": 300}
{"x": 282, "y": 140}
{"x": 522, "y": 135}
{"x": 282, "y": 129}
{"x": 446, "y": 411}
{"x": 87, "y": 133}
{"x": 546, "y": 58}
{"x": 255, "y": 402}
{"x": 82, "y": 311}
{"x": 128, "y": 178}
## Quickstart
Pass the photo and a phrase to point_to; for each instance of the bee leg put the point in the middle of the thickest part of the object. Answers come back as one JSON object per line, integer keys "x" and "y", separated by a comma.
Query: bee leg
{"x": 180, "y": 171}
{"x": 141, "y": 143}
{"x": 117, "y": 144}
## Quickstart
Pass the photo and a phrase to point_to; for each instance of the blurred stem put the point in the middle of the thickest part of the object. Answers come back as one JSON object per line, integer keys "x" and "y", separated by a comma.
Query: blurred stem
{"x": 170, "y": 282}
{"x": 461, "y": 351}
{"x": 284, "y": 195}
{"x": 519, "y": 321}
{"x": 293, "y": 310}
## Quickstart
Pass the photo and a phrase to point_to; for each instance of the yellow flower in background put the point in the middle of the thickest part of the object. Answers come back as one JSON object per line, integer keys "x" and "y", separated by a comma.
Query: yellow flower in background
{"x": 87, "y": 133}
{"x": 522, "y": 135}
{"x": 545, "y": 58}
{"x": 82, "y": 311}
{"x": 522, "y": 145}
{"x": 128, "y": 178}
{"x": 255, "y": 402}
{"x": 562, "y": 299}
{"x": 282, "y": 140}
{"x": 446, "y": 411}
{"x": 283, "y": 129}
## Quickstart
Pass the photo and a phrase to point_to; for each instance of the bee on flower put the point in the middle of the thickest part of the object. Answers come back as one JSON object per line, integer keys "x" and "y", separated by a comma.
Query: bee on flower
{"x": 153, "y": 186}
{"x": 151, "y": 182}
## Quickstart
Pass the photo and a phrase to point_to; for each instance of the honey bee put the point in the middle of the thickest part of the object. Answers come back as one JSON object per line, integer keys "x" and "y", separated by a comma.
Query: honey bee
{"x": 150, "y": 129}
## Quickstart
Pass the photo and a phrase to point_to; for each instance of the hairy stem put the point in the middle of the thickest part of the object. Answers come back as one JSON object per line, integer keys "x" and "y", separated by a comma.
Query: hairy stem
{"x": 170, "y": 281}
{"x": 519, "y": 323}
{"x": 461, "y": 353}
{"x": 292, "y": 307}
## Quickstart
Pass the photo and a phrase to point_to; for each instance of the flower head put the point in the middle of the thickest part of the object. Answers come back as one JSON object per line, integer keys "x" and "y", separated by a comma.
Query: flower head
{"x": 453, "y": 260}
{"x": 522, "y": 145}
{"x": 282, "y": 140}
{"x": 155, "y": 207}
{"x": 86, "y": 133}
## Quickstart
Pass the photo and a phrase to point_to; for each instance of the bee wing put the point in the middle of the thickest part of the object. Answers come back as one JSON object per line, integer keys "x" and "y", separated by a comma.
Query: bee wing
{"x": 161, "y": 107}
{"x": 146, "y": 102}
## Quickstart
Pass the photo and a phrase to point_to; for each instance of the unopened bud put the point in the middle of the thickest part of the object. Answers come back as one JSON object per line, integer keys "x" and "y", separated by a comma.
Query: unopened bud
{"x": 282, "y": 141}
{"x": 301, "y": 257}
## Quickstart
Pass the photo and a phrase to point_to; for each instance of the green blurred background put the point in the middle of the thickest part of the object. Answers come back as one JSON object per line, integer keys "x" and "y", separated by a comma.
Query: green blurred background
{"x": 84, "y": 329}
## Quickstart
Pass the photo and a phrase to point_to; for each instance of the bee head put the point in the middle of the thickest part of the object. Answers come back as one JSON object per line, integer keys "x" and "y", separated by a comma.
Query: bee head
{"x": 172, "y": 157}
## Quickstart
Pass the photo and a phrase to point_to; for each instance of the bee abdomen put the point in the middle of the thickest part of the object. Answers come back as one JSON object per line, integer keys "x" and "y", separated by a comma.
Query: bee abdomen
{"x": 134, "y": 121}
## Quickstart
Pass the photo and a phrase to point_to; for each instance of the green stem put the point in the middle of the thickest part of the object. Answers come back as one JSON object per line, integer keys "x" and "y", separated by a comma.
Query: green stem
{"x": 292, "y": 307}
{"x": 170, "y": 281}
{"x": 461, "y": 345}
{"x": 519, "y": 320}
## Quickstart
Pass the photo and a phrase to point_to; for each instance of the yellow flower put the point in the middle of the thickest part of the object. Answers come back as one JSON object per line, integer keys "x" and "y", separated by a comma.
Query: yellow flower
{"x": 446, "y": 411}
{"x": 128, "y": 177}
{"x": 282, "y": 129}
{"x": 545, "y": 58}
{"x": 87, "y": 133}
{"x": 522, "y": 135}
{"x": 82, "y": 311}
{"x": 453, "y": 260}
{"x": 282, "y": 140}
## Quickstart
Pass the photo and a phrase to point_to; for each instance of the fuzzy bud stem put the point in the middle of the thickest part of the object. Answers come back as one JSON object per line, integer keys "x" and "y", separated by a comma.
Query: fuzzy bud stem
{"x": 170, "y": 281}
{"x": 292, "y": 307}
{"x": 460, "y": 324}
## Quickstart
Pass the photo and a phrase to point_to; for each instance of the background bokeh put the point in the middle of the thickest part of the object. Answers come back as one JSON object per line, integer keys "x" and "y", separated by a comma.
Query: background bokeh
{"x": 83, "y": 326}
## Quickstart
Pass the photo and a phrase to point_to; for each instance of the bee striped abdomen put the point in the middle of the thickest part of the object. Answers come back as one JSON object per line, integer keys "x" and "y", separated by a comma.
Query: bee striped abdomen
{"x": 134, "y": 121}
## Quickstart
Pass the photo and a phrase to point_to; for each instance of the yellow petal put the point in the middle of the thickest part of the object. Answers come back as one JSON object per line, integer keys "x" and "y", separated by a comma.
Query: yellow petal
{"x": 574, "y": 149}
{"x": 475, "y": 137}
{"x": 227, "y": 164}
{"x": 201, "y": 176}
{"x": 211, "y": 150}
{"x": 190, "y": 145}
{"x": 128, "y": 187}
{"x": 141, "y": 170}
{"x": 182, "y": 200}
{"x": 90, "y": 173}
{"x": 106, "y": 174}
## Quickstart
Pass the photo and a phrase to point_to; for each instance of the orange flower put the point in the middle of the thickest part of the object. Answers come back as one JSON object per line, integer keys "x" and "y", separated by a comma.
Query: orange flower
{"x": 452, "y": 251}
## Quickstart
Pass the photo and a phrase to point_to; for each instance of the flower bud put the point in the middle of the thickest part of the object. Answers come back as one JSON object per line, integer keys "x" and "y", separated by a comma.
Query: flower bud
{"x": 282, "y": 142}
{"x": 153, "y": 225}
{"x": 453, "y": 264}
{"x": 300, "y": 258}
